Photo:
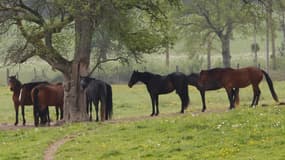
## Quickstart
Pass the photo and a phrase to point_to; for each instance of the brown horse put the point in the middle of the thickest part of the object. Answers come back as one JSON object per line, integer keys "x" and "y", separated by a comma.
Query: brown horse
{"x": 193, "y": 79}
{"x": 21, "y": 95}
{"x": 45, "y": 95}
{"x": 229, "y": 79}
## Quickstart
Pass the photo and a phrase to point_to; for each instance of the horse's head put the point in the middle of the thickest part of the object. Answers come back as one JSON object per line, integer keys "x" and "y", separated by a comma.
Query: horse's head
{"x": 14, "y": 83}
{"x": 84, "y": 81}
{"x": 134, "y": 79}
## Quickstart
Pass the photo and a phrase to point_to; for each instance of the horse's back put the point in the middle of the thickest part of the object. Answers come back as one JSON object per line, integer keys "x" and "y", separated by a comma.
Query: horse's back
{"x": 50, "y": 94}
{"x": 26, "y": 98}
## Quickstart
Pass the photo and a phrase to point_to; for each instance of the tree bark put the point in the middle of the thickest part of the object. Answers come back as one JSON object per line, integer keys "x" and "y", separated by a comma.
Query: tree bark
{"x": 209, "y": 48}
{"x": 74, "y": 98}
{"x": 267, "y": 39}
{"x": 272, "y": 31}
{"x": 225, "y": 40}
{"x": 167, "y": 55}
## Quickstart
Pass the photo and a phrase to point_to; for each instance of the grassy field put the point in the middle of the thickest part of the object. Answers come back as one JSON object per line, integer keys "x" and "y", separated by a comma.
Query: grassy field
{"x": 244, "y": 133}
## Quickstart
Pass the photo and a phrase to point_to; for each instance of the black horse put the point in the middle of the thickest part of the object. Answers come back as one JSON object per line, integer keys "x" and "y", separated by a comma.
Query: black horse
{"x": 97, "y": 90}
{"x": 193, "y": 79}
{"x": 157, "y": 84}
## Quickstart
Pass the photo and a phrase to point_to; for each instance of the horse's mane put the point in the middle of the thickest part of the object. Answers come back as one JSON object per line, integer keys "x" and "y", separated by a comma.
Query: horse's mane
{"x": 215, "y": 70}
{"x": 31, "y": 85}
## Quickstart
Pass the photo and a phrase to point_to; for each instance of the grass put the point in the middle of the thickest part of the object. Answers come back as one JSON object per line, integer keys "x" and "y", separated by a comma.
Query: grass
{"x": 244, "y": 133}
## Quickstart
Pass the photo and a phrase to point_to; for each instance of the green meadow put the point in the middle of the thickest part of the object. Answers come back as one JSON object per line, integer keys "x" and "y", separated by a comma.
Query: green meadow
{"x": 243, "y": 133}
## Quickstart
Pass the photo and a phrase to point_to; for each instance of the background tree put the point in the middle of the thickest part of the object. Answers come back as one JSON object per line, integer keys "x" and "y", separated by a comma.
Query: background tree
{"x": 220, "y": 17}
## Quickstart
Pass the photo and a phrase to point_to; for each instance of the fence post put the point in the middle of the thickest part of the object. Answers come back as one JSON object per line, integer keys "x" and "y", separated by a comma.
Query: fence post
{"x": 7, "y": 75}
{"x": 177, "y": 68}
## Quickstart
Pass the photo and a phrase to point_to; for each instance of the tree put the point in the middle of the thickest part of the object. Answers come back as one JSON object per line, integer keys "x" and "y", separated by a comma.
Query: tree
{"x": 220, "y": 17}
{"x": 39, "y": 21}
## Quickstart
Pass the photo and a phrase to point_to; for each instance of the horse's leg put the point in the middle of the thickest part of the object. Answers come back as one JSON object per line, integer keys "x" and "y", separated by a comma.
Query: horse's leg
{"x": 156, "y": 103}
{"x": 96, "y": 109}
{"x": 102, "y": 109}
{"x": 61, "y": 112}
{"x": 254, "y": 96}
{"x": 48, "y": 117}
{"x": 257, "y": 96}
{"x": 236, "y": 96}
{"x": 256, "y": 91}
{"x": 230, "y": 97}
{"x": 233, "y": 97}
{"x": 23, "y": 114}
{"x": 182, "y": 104}
{"x": 56, "y": 112}
{"x": 202, "y": 93}
{"x": 16, "y": 106}
{"x": 153, "y": 105}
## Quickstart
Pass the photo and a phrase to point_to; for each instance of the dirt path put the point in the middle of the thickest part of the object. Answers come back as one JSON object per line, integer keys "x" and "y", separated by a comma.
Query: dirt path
{"x": 52, "y": 148}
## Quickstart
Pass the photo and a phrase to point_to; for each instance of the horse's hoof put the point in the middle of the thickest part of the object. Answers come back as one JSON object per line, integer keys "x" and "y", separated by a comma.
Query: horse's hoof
{"x": 16, "y": 123}
{"x": 203, "y": 110}
{"x": 156, "y": 114}
{"x": 152, "y": 114}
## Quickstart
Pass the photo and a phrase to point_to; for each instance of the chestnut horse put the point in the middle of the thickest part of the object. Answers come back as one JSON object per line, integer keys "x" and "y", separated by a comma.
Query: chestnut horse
{"x": 157, "y": 84}
{"x": 193, "y": 79}
{"x": 21, "y": 95}
{"x": 229, "y": 79}
{"x": 45, "y": 95}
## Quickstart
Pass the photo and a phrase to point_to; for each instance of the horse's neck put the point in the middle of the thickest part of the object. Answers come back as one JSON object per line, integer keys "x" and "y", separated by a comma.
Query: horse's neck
{"x": 145, "y": 78}
{"x": 193, "y": 80}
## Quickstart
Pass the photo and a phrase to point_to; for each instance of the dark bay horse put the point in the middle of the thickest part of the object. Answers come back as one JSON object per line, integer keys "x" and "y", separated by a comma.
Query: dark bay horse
{"x": 157, "y": 84}
{"x": 212, "y": 84}
{"x": 97, "y": 90}
{"x": 230, "y": 78}
{"x": 21, "y": 95}
{"x": 45, "y": 95}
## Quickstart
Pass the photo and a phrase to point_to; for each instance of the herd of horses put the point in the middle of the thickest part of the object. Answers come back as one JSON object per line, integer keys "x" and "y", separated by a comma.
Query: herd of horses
{"x": 43, "y": 94}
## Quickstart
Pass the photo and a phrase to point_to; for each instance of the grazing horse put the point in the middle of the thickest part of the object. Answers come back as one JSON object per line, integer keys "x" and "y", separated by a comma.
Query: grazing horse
{"x": 97, "y": 90}
{"x": 157, "y": 84}
{"x": 229, "y": 79}
{"x": 212, "y": 84}
{"x": 22, "y": 95}
{"x": 45, "y": 95}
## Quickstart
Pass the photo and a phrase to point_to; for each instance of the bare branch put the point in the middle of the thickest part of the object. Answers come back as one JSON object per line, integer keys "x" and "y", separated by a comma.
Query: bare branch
{"x": 104, "y": 61}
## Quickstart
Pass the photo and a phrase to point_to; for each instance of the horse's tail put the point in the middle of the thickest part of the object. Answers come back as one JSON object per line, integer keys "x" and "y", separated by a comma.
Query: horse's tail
{"x": 109, "y": 103}
{"x": 36, "y": 105}
{"x": 270, "y": 84}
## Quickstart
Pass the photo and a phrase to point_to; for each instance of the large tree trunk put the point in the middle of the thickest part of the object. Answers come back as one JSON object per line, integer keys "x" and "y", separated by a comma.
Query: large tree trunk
{"x": 74, "y": 98}
{"x": 209, "y": 48}
{"x": 272, "y": 30}
{"x": 167, "y": 55}
{"x": 225, "y": 40}
{"x": 267, "y": 39}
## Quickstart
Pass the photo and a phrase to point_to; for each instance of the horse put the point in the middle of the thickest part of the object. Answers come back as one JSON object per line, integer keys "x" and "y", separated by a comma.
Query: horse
{"x": 193, "y": 79}
{"x": 22, "y": 95}
{"x": 229, "y": 79}
{"x": 157, "y": 84}
{"x": 97, "y": 90}
{"x": 45, "y": 95}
